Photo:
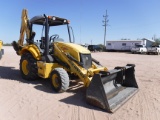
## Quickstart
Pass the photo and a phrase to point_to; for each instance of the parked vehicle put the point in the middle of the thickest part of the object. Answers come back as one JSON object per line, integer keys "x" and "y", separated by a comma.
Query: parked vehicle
{"x": 139, "y": 49}
{"x": 94, "y": 48}
{"x": 1, "y": 50}
{"x": 153, "y": 50}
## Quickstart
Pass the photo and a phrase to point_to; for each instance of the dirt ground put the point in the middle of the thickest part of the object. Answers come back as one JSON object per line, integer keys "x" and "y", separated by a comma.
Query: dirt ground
{"x": 23, "y": 100}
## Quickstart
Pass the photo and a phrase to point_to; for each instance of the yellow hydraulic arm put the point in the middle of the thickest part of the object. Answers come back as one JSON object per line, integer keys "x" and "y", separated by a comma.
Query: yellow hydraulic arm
{"x": 25, "y": 30}
{"x": 24, "y": 27}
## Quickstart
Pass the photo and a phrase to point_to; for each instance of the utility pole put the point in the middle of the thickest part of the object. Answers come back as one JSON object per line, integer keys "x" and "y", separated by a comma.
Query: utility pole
{"x": 105, "y": 24}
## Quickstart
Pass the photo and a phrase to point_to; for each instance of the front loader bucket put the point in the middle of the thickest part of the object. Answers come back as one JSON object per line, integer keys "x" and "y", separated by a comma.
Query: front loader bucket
{"x": 109, "y": 90}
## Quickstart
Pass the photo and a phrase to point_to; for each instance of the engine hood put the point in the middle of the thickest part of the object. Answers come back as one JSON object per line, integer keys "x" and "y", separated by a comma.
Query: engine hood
{"x": 74, "y": 50}
{"x": 71, "y": 46}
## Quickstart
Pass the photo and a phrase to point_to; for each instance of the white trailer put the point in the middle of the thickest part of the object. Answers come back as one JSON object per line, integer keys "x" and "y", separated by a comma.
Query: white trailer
{"x": 126, "y": 45}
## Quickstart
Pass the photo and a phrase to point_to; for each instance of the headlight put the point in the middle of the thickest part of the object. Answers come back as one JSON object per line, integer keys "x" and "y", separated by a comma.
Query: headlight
{"x": 54, "y": 18}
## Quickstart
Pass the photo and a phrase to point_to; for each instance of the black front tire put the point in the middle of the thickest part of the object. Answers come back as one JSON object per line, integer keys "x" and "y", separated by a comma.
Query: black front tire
{"x": 59, "y": 80}
{"x": 31, "y": 67}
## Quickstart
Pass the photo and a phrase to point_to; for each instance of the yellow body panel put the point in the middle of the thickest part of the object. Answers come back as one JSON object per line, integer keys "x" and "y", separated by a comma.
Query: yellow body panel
{"x": 33, "y": 49}
{"x": 1, "y": 43}
{"x": 72, "y": 49}
{"x": 44, "y": 69}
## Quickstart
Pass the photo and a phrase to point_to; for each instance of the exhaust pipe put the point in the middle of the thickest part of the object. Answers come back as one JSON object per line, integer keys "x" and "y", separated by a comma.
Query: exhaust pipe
{"x": 109, "y": 90}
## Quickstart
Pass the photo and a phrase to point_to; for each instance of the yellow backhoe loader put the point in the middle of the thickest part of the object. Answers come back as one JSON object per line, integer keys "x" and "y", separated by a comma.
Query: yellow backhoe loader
{"x": 1, "y": 50}
{"x": 51, "y": 57}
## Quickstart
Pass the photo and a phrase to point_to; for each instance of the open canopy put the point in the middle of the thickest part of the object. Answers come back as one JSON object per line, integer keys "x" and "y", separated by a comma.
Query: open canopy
{"x": 52, "y": 20}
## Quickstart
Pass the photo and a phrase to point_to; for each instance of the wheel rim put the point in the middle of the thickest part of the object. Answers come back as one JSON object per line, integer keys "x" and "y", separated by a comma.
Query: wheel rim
{"x": 25, "y": 67}
{"x": 55, "y": 81}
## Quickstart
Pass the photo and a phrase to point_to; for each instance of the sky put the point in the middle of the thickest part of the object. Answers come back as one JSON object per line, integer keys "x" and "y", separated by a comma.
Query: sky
{"x": 130, "y": 19}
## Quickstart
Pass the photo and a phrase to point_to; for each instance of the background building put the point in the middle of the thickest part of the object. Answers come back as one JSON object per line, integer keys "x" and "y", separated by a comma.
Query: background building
{"x": 126, "y": 45}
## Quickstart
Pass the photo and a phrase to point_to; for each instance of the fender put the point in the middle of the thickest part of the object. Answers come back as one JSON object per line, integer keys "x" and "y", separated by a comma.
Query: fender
{"x": 33, "y": 49}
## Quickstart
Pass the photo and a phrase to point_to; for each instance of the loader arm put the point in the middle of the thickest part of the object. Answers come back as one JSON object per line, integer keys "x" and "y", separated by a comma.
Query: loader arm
{"x": 106, "y": 89}
{"x": 75, "y": 66}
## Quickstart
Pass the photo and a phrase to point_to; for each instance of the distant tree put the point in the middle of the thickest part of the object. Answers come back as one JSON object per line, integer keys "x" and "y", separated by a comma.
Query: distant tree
{"x": 157, "y": 42}
{"x": 7, "y": 44}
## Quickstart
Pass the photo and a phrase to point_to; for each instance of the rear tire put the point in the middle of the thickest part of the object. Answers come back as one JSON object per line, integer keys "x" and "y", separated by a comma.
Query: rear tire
{"x": 59, "y": 80}
{"x": 28, "y": 67}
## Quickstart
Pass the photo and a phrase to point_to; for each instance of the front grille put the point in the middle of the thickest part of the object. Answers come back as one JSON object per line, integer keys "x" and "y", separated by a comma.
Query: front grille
{"x": 86, "y": 60}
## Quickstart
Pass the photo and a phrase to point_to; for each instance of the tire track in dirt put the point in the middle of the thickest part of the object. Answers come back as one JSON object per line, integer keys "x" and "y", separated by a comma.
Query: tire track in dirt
{"x": 154, "y": 100}
{"x": 147, "y": 102}
{"x": 79, "y": 113}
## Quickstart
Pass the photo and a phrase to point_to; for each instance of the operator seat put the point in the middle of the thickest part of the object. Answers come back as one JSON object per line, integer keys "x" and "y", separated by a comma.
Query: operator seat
{"x": 42, "y": 42}
{"x": 33, "y": 35}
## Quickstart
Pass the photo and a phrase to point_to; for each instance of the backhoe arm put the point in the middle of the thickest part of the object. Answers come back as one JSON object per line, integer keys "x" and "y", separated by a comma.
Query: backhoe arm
{"x": 24, "y": 27}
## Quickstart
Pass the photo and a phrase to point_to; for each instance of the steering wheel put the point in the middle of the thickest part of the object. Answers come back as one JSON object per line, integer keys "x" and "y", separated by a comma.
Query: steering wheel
{"x": 55, "y": 36}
